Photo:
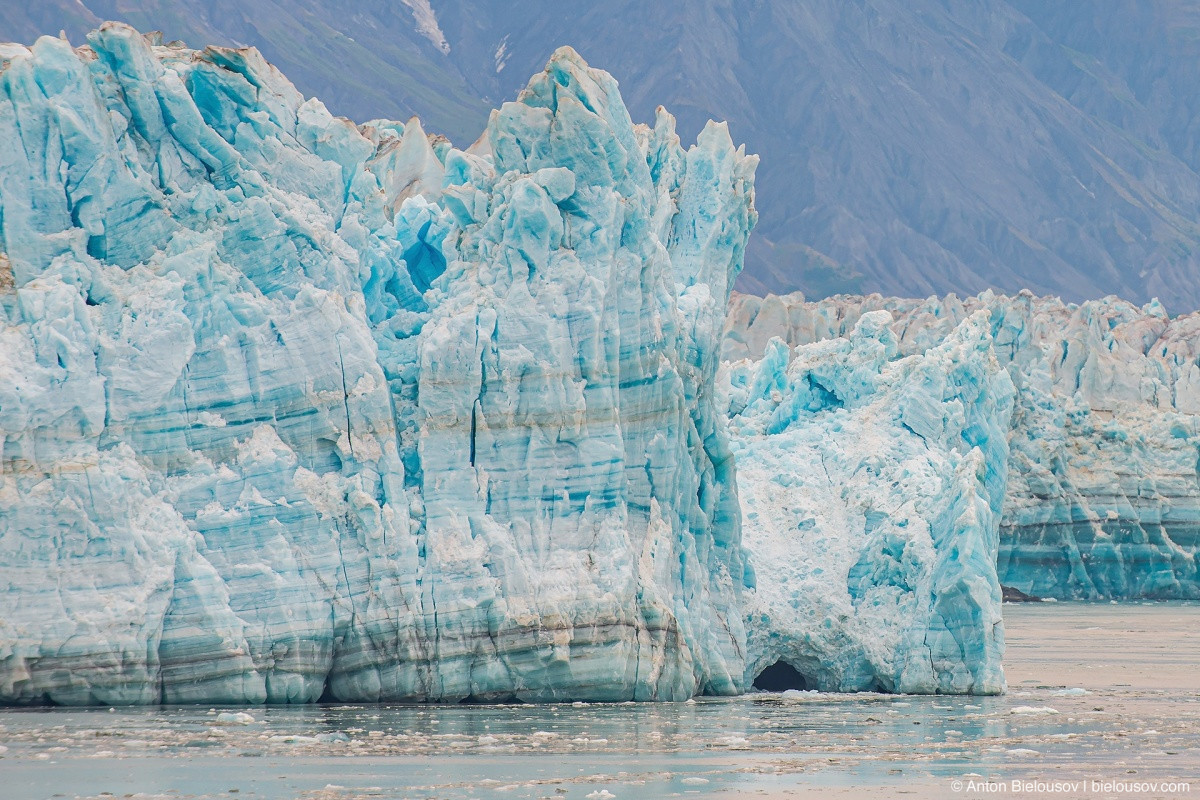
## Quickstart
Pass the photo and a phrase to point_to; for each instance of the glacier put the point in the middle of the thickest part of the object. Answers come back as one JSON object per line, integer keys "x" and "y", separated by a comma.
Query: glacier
{"x": 296, "y": 409}
{"x": 871, "y": 488}
{"x": 1103, "y": 491}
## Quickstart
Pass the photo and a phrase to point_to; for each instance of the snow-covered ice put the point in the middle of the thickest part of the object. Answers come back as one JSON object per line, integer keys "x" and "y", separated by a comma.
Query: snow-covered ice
{"x": 293, "y": 408}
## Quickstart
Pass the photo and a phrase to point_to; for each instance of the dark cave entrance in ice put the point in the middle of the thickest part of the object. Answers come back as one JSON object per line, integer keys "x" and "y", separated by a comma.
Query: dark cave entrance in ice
{"x": 781, "y": 676}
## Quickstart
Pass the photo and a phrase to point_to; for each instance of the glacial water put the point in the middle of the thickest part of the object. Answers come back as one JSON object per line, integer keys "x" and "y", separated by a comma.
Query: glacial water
{"x": 1096, "y": 693}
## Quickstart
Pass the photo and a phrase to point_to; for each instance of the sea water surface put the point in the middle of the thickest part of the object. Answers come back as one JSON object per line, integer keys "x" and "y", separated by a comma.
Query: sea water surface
{"x": 1104, "y": 701}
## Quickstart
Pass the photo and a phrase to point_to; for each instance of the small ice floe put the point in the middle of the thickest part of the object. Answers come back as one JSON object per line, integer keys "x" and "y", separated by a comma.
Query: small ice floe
{"x": 1033, "y": 710}
{"x": 3, "y": 749}
{"x": 732, "y": 742}
{"x": 1022, "y": 751}
{"x": 600, "y": 794}
{"x": 694, "y": 781}
{"x": 1074, "y": 692}
{"x": 234, "y": 718}
{"x": 293, "y": 738}
{"x": 336, "y": 737}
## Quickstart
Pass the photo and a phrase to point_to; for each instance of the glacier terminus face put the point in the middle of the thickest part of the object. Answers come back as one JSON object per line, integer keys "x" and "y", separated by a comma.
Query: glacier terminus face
{"x": 292, "y": 408}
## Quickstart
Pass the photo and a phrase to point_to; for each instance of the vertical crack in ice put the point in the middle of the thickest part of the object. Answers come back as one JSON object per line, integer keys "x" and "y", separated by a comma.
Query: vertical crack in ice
{"x": 345, "y": 397}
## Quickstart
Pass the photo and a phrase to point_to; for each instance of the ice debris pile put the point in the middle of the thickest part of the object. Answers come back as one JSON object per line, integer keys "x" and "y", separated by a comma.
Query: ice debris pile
{"x": 871, "y": 489}
{"x": 292, "y": 408}
{"x": 1103, "y": 495}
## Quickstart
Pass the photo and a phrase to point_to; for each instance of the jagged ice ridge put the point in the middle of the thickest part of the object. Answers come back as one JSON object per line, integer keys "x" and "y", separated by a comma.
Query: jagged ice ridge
{"x": 292, "y": 408}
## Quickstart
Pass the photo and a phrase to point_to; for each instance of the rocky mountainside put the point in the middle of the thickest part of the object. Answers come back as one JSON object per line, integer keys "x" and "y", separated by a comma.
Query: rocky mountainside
{"x": 908, "y": 148}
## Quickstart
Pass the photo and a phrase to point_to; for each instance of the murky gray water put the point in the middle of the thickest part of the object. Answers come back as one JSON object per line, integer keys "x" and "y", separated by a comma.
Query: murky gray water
{"x": 1103, "y": 693}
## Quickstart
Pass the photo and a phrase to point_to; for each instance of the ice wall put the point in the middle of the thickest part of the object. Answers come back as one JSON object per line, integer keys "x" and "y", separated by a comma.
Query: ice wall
{"x": 1103, "y": 497}
{"x": 871, "y": 488}
{"x": 292, "y": 408}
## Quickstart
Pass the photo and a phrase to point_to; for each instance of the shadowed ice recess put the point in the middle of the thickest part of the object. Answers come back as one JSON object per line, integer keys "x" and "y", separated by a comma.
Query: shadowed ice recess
{"x": 293, "y": 409}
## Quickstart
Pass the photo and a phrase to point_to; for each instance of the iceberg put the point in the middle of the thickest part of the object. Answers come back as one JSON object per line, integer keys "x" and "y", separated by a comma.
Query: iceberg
{"x": 871, "y": 488}
{"x": 292, "y": 408}
{"x": 1103, "y": 492}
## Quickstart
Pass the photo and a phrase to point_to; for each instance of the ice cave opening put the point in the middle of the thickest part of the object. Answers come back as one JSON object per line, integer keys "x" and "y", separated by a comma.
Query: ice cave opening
{"x": 781, "y": 676}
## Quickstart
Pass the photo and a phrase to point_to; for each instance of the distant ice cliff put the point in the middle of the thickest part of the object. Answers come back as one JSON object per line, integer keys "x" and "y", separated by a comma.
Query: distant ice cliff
{"x": 1103, "y": 493}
